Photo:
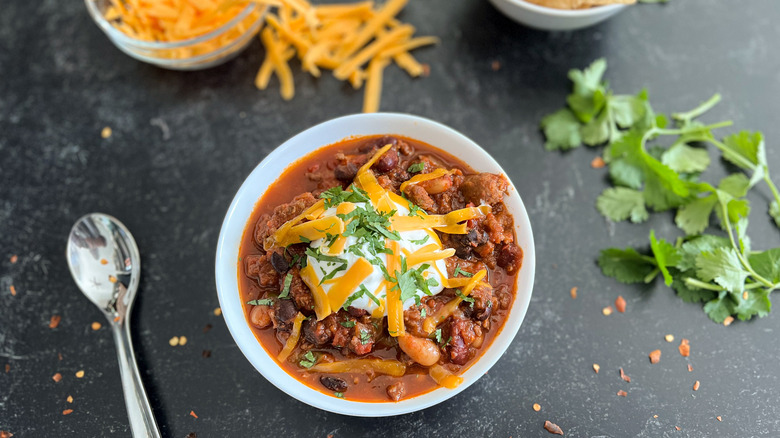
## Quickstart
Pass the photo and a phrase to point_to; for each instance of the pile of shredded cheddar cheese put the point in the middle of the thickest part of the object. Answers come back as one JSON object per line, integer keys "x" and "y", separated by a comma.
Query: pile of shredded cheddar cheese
{"x": 356, "y": 41}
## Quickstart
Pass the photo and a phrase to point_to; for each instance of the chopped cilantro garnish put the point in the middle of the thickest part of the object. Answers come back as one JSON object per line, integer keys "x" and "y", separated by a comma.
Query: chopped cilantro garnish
{"x": 263, "y": 302}
{"x": 365, "y": 337}
{"x": 437, "y": 335}
{"x": 466, "y": 299}
{"x": 286, "y": 289}
{"x": 336, "y": 195}
{"x": 420, "y": 241}
{"x": 332, "y": 273}
{"x": 318, "y": 255}
{"x": 368, "y": 293}
{"x": 339, "y": 394}
{"x": 461, "y": 272}
{"x": 416, "y": 167}
{"x": 347, "y": 324}
{"x": 423, "y": 313}
{"x": 308, "y": 360}
{"x": 415, "y": 210}
{"x": 304, "y": 239}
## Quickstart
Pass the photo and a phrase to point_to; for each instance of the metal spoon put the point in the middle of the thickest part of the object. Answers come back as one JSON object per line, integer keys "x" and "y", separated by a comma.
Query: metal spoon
{"x": 104, "y": 261}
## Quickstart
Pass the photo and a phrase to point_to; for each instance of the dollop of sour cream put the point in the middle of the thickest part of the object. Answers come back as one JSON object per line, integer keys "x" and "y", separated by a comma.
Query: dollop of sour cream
{"x": 409, "y": 242}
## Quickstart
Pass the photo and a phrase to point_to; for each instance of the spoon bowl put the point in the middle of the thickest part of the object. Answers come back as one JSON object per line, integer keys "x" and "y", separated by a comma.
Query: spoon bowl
{"x": 105, "y": 264}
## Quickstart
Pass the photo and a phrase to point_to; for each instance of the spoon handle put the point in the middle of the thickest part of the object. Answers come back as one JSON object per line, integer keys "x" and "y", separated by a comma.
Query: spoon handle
{"x": 139, "y": 412}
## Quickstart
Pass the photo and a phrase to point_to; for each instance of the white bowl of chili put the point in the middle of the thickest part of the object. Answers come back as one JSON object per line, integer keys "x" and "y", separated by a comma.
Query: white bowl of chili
{"x": 228, "y": 266}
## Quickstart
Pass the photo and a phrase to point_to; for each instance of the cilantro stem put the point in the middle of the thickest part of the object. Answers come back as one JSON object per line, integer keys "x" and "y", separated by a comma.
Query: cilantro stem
{"x": 745, "y": 264}
{"x": 691, "y": 130}
{"x": 771, "y": 186}
{"x": 744, "y": 162}
{"x": 699, "y": 110}
{"x": 689, "y": 281}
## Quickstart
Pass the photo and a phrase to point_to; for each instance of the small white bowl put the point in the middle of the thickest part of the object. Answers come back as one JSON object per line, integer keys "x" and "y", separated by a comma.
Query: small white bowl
{"x": 540, "y": 17}
{"x": 227, "y": 266}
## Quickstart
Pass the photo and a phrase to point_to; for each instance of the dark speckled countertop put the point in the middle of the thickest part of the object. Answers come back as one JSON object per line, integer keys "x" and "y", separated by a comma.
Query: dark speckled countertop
{"x": 182, "y": 144}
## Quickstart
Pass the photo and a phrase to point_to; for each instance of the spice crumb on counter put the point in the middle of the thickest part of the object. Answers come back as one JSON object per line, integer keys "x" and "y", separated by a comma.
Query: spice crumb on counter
{"x": 669, "y": 338}
{"x": 553, "y": 428}
{"x": 573, "y": 293}
{"x": 12, "y": 289}
{"x": 5, "y": 434}
{"x": 67, "y": 412}
{"x": 719, "y": 418}
{"x": 79, "y": 374}
{"x": 624, "y": 376}
{"x": 106, "y": 132}
{"x": 54, "y": 321}
{"x": 677, "y": 427}
{"x": 655, "y": 356}
{"x": 69, "y": 399}
{"x": 597, "y": 163}
{"x": 207, "y": 328}
{"x": 14, "y": 259}
{"x": 596, "y": 368}
{"x": 192, "y": 435}
{"x": 174, "y": 341}
{"x": 182, "y": 340}
{"x": 7, "y": 368}
{"x": 96, "y": 326}
{"x": 495, "y": 65}
{"x": 696, "y": 385}
{"x": 607, "y": 311}
{"x": 206, "y": 354}
{"x": 690, "y": 368}
{"x": 620, "y": 304}
{"x": 218, "y": 311}
{"x": 57, "y": 377}
{"x": 622, "y": 393}
{"x": 727, "y": 322}
{"x": 684, "y": 348}
{"x": 537, "y": 407}
{"x": 655, "y": 416}
{"x": 193, "y": 414}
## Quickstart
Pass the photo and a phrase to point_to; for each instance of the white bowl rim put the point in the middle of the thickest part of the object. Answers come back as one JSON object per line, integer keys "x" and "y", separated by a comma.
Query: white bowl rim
{"x": 566, "y": 12}
{"x": 226, "y": 274}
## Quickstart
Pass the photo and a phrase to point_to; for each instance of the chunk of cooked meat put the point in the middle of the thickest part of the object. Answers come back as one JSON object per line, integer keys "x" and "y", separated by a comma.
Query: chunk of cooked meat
{"x": 299, "y": 292}
{"x": 483, "y": 305}
{"x": 396, "y": 391}
{"x": 484, "y": 187}
{"x": 464, "y": 332}
{"x": 420, "y": 197}
{"x": 261, "y": 269}
{"x": 510, "y": 257}
{"x": 267, "y": 224}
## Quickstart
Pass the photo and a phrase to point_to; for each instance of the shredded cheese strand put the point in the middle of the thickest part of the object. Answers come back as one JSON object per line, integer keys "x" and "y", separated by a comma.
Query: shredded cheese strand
{"x": 292, "y": 341}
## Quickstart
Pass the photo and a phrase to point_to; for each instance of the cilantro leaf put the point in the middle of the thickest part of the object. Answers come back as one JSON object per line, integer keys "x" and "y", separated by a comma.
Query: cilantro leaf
{"x": 347, "y": 324}
{"x": 465, "y": 298}
{"x": 437, "y": 335}
{"x": 308, "y": 360}
{"x": 757, "y": 303}
{"x": 627, "y": 265}
{"x": 720, "y": 308}
{"x": 620, "y": 203}
{"x": 665, "y": 255}
{"x": 767, "y": 264}
{"x": 416, "y": 167}
{"x": 686, "y": 159}
{"x": 262, "y": 302}
{"x": 691, "y": 294}
{"x": 562, "y": 130}
{"x": 459, "y": 271}
{"x": 722, "y": 266}
{"x": 694, "y": 217}
{"x": 286, "y": 288}
{"x": 697, "y": 245}
{"x": 745, "y": 150}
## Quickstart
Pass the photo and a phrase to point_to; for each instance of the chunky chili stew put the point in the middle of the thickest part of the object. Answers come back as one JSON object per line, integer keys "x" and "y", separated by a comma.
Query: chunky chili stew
{"x": 379, "y": 268}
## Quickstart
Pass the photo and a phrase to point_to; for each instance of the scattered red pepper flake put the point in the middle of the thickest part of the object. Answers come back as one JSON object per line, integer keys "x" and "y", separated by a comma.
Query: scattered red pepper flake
{"x": 69, "y": 399}
{"x": 537, "y": 407}
{"x": 607, "y": 311}
{"x": 5, "y": 434}
{"x": 690, "y": 368}
{"x": 106, "y": 132}
{"x": 14, "y": 259}
{"x": 624, "y": 376}
{"x": 655, "y": 416}
{"x": 596, "y": 368}
{"x": 79, "y": 374}
{"x": 54, "y": 321}
{"x": 677, "y": 427}
{"x": 117, "y": 318}
{"x": 495, "y": 65}
{"x": 7, "y": 368}
{"x": 620, "y": 304}
{"x": 727, "y": 322}
{"x": 330, "y": 435}
{"x": 669, "y": 338}
{"x": 684, "y": 348}
{"x": 103, "y": 261}
{"x": 597, "y": 163}
{"x": 96, "y": 326}
{"x": 59, "y": 356}
{"x": 67, "y": 412}
{"x": 217, "y": 311}
{"x": 573, "y": 293}
{"x": 719, "y": 418}
{"x": 206, "y": 354}
{"x": 655, "y": 356}
{"x": 553, "y": 428}
{"x": 57, "y": 377}
{"x": 622, "y": 393}
{"x": 696, "y": 385}
{"x": 12, "y": 289}
{"x": 207, "y": 328}
{"x": 192, "y": 435}
{"x": 112, "y": 279}
{"x": 193, "y": 414}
